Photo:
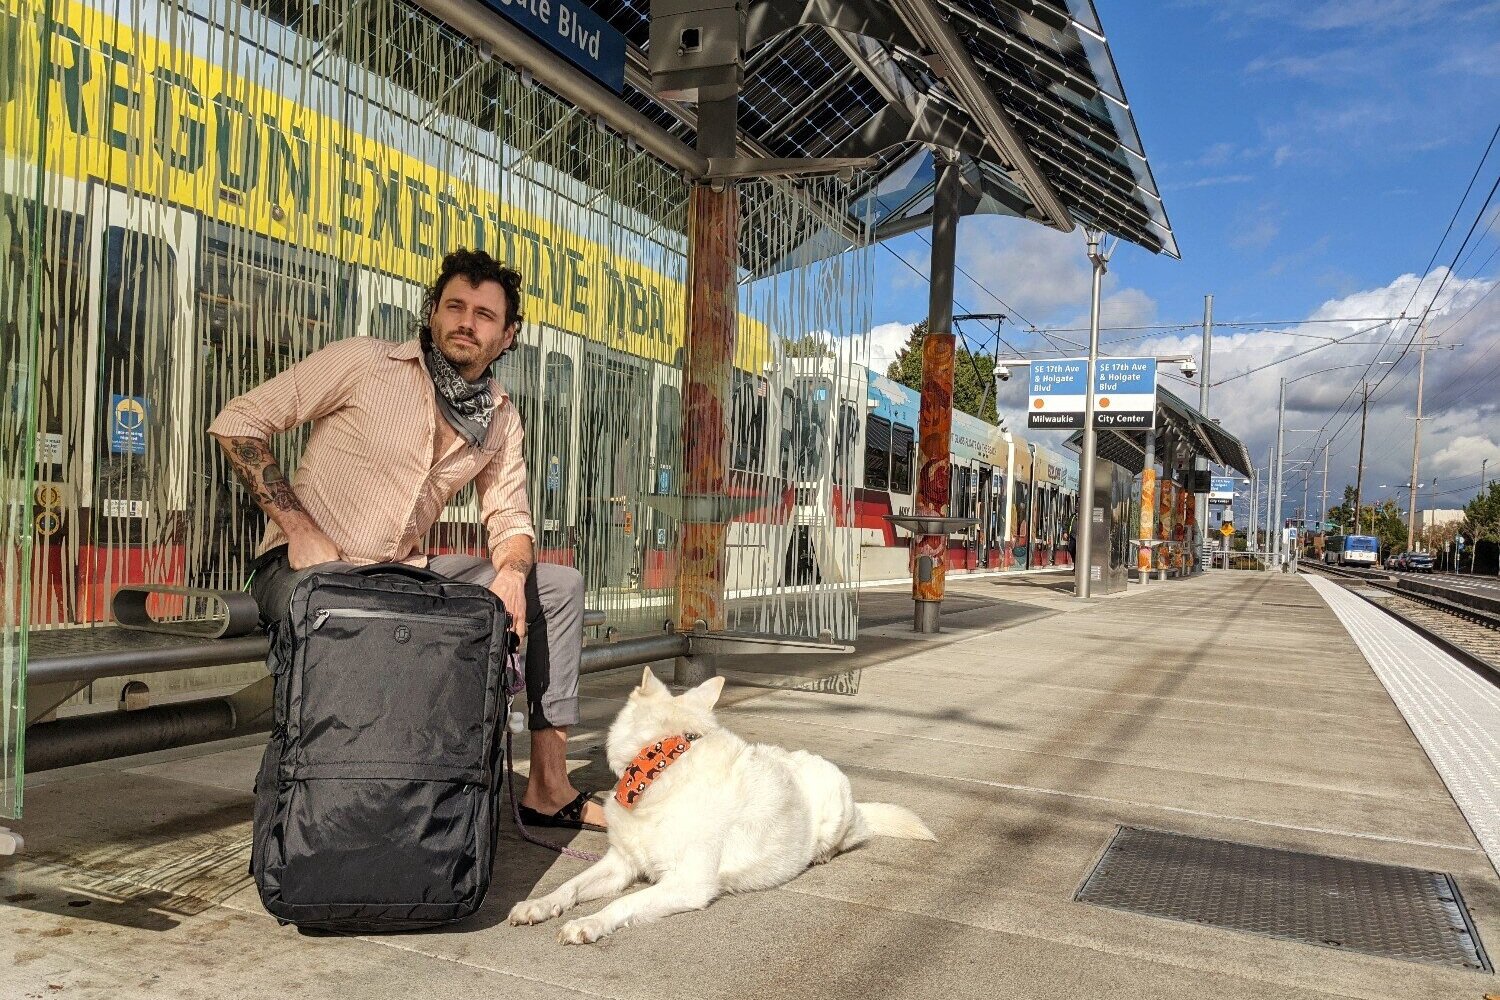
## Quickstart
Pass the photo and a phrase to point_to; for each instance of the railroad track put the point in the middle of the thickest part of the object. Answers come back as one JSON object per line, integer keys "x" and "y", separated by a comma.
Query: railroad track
{"x": 1471, "y": 634}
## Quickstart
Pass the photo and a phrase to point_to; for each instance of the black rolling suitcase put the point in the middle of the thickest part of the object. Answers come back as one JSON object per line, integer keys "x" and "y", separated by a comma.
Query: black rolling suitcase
{"x": 376, "y": 805}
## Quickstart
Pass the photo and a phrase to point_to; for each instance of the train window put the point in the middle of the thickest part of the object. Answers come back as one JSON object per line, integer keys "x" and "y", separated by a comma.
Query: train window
{"x": 843, "y": 449}
{"x": 256, "y": 295}
{"x": 63, "y": 307}
{"x": 749, "y": 422}
{"x": 902, "y": 439}
{"x": 555, "y": 443}
{"x": 878, "y": 454}
{"x": 519, "y": 372}
{"x": 959, "y": 502}
{"x": 811, "y": 426}
{"x": 788, "y": 410}
{"x": 139, "y": 310}
{"x": 668, "y": 437}
{"x": 388, "y": 322}
{"x": 1021, "y": 512}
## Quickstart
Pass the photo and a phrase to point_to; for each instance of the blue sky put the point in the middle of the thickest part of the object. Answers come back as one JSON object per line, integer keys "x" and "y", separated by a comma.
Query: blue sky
{"x": 1310, "y": 155}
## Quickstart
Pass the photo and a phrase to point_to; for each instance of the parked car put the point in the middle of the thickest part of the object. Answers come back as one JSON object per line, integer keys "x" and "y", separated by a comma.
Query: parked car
{"x": 1418, "y": 562}
{"x": 1396, "y": 561}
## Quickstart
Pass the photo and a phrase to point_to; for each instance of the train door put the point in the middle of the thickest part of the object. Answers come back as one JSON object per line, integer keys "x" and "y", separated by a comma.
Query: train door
{"x": 984, "y": 510}
{"x": 614, "y": 406}
{"x": 62, "y": 263}
{"x": 665, "y": 465}
{"x": 552, "y": 450}
{"x": 142, "y": 363}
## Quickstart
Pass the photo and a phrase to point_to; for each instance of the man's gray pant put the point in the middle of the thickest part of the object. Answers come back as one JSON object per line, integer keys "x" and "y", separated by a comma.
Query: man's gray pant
{"x": 554, "y": 622}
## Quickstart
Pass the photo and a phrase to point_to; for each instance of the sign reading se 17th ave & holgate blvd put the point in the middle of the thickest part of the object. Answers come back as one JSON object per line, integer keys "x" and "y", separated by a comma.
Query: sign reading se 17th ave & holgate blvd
{"x": 1124, "y": 393}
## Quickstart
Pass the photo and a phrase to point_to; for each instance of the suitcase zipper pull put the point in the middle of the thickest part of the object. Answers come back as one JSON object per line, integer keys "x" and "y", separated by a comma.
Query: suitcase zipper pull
{"x": 318, "y": 620}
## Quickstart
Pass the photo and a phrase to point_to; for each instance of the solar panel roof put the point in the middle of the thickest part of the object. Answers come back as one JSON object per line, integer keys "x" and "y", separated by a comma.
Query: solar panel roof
{"x": 1027, "y": 89}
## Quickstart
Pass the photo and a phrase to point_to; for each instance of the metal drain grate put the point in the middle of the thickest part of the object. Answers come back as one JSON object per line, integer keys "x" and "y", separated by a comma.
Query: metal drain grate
{"x": 1400, "y": 913}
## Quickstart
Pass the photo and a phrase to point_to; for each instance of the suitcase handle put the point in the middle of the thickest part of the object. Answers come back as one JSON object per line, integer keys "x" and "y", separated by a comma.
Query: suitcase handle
{"x": 512, "y": 641}
{"x": 398, "y": 569}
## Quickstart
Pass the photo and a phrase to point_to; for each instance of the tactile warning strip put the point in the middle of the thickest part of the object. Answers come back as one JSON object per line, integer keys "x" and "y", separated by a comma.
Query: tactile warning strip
{"x": 1454, "y": 713}
{"x": 1400, "y": 913}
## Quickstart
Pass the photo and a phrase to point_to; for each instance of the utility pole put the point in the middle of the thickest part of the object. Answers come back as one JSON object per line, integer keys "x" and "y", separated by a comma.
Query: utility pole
{"x": 1302, "y": 528}
{"x": 1203, "y": 383}
{"x": 1250, "y": 514}
{"x": 1323, "y": 507}
{"x": 1359, "y": 474}
{"x": 1416, "y": 437}
{"x": 1276, "y": 484}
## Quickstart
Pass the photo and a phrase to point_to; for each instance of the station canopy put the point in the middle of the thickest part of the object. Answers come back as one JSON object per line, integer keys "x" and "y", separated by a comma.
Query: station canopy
{"x": 1025, "y": 90}
{"x": 1127, "y": 448}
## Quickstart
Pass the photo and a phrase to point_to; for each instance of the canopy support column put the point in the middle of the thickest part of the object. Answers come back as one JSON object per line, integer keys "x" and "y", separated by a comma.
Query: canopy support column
{"x": 712, "y": 310}
{"x": 929, "y": 552}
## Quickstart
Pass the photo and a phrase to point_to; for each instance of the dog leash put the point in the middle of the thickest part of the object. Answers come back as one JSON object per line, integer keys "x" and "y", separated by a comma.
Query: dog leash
{"x": 510, "y": 787}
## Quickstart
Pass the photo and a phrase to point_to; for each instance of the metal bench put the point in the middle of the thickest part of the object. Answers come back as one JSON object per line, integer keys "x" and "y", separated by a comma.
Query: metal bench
{"x": 62, "y": 662}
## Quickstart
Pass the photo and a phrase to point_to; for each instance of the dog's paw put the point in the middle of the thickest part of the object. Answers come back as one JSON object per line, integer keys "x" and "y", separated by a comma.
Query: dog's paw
{"x": 586, "y": 930}
{"x": 533, "y": 911}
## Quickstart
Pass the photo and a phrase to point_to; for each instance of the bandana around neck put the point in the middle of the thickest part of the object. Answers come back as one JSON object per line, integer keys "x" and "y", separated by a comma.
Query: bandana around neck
{"x": 648, "y": 765}
{"x": 466, "y": 405}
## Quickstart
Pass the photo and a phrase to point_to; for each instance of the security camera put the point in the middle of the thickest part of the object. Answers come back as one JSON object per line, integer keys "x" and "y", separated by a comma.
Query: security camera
{"x": 1002, "y": 373}
{"x": 1189, "y": 368}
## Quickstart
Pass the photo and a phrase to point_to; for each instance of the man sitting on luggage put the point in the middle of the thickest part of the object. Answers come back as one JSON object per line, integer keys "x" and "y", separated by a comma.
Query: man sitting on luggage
{"x": 398, "y": 430}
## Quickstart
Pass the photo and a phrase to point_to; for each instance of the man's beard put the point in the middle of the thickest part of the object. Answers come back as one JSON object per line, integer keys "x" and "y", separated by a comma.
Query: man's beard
{"x": 459, "y": 355}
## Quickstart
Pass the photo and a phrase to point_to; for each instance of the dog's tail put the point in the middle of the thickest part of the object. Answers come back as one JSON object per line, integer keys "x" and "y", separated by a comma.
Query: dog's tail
{"x": 881, "y": 819}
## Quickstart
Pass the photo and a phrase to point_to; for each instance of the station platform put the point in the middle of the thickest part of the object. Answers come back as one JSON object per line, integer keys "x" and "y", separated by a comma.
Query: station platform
{"x": 1236, "y": 707}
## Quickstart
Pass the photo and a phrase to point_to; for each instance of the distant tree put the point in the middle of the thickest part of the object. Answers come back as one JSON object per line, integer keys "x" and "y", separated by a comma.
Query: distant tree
{"x": 1482, "y": 515}
{"x": 973, "y": 375}
{"x": 806, "y": 346}
{"x": 1383, "y": 520}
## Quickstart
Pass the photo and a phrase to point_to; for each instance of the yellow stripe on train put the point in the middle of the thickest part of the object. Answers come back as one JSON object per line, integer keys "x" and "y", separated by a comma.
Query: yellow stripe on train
{"x": 126, "y": 108}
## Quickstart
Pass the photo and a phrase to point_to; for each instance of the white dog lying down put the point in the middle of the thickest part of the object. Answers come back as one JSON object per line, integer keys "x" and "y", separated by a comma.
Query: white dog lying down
{"x": 708, "y": 814}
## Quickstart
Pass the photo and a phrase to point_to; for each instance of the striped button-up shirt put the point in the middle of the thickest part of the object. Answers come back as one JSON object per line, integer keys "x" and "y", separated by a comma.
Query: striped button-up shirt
{"x": 370, "y": 476}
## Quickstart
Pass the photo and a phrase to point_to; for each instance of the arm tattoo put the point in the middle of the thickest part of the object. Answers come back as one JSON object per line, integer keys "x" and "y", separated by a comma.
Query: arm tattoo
{"x": 280, "y": 490}
{"x": 257, "y": 469}
{"x": 515, "y": 554}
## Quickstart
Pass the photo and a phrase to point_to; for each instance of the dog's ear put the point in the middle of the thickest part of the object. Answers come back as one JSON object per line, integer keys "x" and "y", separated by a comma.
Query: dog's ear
{"x": 650, "y": 685}
{"x": 705, "y": 696}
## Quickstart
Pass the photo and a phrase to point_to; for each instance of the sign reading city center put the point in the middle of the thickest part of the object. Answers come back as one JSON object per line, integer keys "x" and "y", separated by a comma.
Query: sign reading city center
{"x": 1058, "y": 393}
{"x": 1125, "y": 393}
{"x": 1222, "y": 491}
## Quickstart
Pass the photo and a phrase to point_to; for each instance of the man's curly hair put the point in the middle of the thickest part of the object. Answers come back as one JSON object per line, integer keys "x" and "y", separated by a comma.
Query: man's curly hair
{"x": 478, "y": 267}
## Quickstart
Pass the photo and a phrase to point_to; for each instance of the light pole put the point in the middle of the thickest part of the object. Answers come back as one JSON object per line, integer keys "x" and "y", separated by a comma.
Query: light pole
{"x": 1084, "y": 546}
{"x": 1203, "y": 386}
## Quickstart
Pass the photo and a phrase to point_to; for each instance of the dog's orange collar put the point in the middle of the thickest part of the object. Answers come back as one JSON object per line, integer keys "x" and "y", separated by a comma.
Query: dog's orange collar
{"x": 648, "y": 765}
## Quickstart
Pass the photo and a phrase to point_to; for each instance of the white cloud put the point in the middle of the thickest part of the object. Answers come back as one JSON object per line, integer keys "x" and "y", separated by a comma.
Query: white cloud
{"x": 1217, "y": 181}
{"x": 1461, "y": 423}
{"x": 1034, "y": 270}
{"x": 885, "y": 340}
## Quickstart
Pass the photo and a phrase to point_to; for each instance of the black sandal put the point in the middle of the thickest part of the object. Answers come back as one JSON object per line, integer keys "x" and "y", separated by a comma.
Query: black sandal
{"x": 568, "y": 817}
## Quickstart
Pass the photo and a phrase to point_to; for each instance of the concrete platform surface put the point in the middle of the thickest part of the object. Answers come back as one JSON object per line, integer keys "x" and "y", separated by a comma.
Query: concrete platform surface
{"x": 1232, "y": 706}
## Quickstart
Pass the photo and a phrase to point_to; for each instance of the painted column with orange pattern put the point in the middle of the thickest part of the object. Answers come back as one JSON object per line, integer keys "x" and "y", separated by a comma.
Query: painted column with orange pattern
{"x": 1145, "y": 557}
{"x": 712, "y": 299}
{"x": 929, "y": 553}
{"x": 934, "y": 476}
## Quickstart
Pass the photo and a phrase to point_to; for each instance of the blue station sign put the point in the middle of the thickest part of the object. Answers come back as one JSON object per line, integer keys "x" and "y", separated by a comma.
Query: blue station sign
{"x": 1059, "y": 393}
{"x": 573, "y": 31}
